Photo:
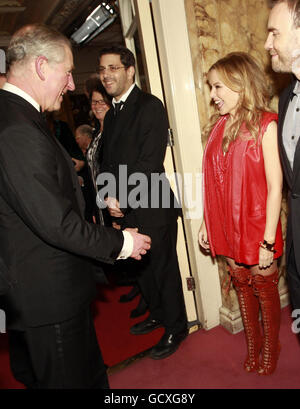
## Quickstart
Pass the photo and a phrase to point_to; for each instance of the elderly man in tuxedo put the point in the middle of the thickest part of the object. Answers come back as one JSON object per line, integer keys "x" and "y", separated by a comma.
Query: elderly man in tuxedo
{"x": 283, "y": 44}
{"x": 46, "y": 244}
{"x": 134, "y": 144}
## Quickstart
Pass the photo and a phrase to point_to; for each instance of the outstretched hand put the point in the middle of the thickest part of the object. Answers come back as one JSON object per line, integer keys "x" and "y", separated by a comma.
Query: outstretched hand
{"x": 141, "y": 243}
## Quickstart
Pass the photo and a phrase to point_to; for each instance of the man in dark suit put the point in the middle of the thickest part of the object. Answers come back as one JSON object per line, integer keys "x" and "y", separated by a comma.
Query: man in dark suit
{"x": 283, "y": 44}
{"x": 134, "y": 145}
{"x": 45, "y": 242}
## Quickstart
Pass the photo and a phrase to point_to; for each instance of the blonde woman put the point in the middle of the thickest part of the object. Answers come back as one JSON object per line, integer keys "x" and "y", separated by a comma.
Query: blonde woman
{"x": 242, "y": 199}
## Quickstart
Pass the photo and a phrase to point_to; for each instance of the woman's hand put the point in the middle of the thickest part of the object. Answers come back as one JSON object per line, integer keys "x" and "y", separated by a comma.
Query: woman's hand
{"x": 113, "y": 207}
{"x": 202, "y": 237}
{"x": 266, "y": 258}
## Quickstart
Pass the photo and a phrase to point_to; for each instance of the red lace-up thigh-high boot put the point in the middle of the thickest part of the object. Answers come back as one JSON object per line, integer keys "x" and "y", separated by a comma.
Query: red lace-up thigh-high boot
{"x": 249, "y": 307}
{"x": 266, "y": 288}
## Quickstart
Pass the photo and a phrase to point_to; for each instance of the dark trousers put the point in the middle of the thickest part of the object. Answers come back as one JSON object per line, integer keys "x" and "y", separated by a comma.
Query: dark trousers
{"x": 60, "y": 356}
{"x": 293, "y": 279}
{"x": 160, "y": 281}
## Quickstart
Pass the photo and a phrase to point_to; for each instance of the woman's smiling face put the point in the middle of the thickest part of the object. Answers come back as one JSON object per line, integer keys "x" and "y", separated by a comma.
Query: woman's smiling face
{"x": 99, "y": 106}
{"x": 226, "y": 99}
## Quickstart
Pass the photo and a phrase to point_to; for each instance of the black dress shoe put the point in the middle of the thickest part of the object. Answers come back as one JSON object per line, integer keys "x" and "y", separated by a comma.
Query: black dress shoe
{"x": 168, "y": 344}
{"x": 145, "y": 327}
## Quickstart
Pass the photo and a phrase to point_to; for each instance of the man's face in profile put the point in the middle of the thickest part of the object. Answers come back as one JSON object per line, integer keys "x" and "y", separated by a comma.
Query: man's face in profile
{"x": 59, "y": 81}
{"x": 283, "y": 40}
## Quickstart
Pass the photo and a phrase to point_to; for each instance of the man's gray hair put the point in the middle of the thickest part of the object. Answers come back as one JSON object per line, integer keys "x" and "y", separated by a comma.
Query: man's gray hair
{"x": 293, "y": 5}
{"x": 85, "y": 130}
{"x": 36, "y": 40}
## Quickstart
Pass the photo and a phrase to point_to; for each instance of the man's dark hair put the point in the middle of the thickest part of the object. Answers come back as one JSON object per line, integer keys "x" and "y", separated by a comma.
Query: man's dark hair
{"x": 126, "y": 56}
{"x": 293, "y": 5}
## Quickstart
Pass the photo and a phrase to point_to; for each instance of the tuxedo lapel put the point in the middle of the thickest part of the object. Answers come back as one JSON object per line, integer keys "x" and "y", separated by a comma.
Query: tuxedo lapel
{"x": 37, "y": 118}
{"x": 66, "y": 157}
{"x": 297, "y": 156}
{"x": 116, "y": 128}
{"x": 42, "y": 124}
{"x": 284, "y": 103}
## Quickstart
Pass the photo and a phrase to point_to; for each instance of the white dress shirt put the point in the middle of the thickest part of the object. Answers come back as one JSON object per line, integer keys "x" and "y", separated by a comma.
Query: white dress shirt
{"x": 123, "y": 97}
{"x": 291, "y": 127}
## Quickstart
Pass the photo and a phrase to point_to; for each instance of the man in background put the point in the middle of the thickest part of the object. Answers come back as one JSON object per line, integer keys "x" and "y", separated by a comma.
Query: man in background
{"x": 84, "y": 136}
{"x": 135, "y": 138}
{"x": 283, "y": 44}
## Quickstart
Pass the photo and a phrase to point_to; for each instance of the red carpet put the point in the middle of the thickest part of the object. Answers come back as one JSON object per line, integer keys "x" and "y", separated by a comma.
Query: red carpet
{"x": 205, "y": 360}
{"x": 213, "y": 360}
{"x": 112, "y": 322}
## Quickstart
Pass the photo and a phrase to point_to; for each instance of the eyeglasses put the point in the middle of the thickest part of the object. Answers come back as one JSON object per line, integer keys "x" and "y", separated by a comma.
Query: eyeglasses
{"x": 100, "y": 102}
{"x": 110, "y": 68}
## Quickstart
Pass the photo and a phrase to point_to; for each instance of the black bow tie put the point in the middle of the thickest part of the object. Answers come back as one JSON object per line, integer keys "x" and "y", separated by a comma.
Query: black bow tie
{"x": 43, "y": 115}
{"x": 118, "y": 107}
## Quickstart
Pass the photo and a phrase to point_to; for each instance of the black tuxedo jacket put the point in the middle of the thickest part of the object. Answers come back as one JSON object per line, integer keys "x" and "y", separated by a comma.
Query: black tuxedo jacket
{"x": 292, "y": 177}
{"x": 135, "y": 142}
{"x": 44, "y": 240}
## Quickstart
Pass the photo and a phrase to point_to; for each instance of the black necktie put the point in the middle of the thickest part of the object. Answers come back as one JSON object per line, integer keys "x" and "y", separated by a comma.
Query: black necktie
{"x": 118, "y": 107}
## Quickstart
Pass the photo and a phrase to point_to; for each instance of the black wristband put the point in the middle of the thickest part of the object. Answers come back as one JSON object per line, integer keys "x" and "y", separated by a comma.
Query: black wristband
{"x": 267, "y": 246}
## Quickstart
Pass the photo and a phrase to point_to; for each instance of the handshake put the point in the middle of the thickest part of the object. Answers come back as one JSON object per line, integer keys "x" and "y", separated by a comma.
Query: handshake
{"x": 141, "y": 243}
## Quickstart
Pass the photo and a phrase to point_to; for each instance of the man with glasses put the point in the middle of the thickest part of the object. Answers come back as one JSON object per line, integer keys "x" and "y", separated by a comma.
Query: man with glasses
{"x": 46, "y": 244}
{"x": 134, "y": 144}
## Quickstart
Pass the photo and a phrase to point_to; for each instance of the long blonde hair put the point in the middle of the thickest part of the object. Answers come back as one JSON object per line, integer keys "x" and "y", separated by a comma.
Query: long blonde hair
{"x": 242, "y": 74}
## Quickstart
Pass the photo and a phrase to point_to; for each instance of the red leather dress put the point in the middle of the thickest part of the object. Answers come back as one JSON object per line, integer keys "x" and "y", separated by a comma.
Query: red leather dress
{"x": 235, "y": 195}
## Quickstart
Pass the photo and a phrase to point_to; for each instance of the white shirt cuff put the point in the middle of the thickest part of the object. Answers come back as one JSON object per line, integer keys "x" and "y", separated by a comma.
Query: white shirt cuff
{"x": 127, "y": 248}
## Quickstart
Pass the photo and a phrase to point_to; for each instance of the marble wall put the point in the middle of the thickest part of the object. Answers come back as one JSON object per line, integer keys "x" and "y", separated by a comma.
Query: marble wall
{"x": 217, "y": 27}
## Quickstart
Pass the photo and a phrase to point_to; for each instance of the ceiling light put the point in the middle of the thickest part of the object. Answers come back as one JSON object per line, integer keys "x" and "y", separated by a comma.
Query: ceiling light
{"x": 97, "y": 21}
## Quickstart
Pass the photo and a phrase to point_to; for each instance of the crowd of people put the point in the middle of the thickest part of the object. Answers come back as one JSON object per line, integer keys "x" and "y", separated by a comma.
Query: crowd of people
{"x": 56, "y": 238}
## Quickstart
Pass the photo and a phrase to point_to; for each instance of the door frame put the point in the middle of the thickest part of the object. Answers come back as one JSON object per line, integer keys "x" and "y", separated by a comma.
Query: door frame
{"x": 136, "y": 14}
{"x": 172, "y": 35}
{"x": 170, "y": 22}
